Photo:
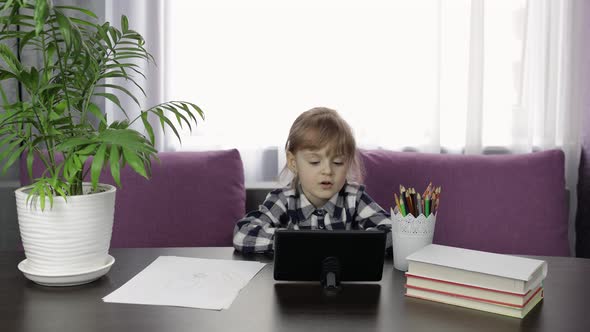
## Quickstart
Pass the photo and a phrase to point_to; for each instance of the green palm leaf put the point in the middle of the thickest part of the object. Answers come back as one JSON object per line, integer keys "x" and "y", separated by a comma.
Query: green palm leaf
{"x": 61, "y": 116}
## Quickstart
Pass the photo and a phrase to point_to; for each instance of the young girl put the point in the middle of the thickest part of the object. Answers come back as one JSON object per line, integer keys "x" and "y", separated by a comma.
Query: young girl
{"x": 322, "y": 156}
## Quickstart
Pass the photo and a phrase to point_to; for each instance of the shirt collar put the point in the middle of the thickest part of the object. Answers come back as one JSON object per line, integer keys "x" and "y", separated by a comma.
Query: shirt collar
{"x": 305, "y": 205}
{"x": 330, "y": 207}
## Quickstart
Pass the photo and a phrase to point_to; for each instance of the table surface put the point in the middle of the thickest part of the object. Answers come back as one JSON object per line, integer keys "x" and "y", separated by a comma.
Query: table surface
{"x": 267, "y": 305}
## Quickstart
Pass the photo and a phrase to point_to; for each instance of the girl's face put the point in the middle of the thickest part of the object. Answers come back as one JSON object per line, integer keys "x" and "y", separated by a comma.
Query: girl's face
{"x": 321, "y": 175}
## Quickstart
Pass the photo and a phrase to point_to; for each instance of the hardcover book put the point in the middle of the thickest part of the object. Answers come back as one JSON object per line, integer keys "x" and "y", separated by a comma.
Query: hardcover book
{"x": 488, "y": 270}
{"x": 453, "y": 299}
{"x": 471, "y": 292}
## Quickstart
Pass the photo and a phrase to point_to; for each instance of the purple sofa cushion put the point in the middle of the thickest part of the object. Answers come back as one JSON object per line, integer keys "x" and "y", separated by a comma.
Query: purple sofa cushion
{"x": 192, "y": 199}
{"x": 514, "y": 204}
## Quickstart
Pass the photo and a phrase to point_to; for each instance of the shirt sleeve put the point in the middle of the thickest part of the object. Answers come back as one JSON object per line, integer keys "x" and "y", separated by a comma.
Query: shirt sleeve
{"x": 255, "y": 232}
{"x": 371, "y": 216}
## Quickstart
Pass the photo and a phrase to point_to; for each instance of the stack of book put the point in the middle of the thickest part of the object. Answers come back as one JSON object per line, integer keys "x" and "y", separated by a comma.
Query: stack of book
{"x": 502, "y": 284}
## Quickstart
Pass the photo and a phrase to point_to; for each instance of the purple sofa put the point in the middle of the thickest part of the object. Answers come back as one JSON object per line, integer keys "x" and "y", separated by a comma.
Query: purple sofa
{"x": 501, "y": 203}
{"x": 514, "y": 204}
{"x": 193, "y": 199}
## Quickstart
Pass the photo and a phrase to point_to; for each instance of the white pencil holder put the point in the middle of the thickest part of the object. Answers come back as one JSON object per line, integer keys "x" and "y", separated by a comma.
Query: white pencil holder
{"x": 410, "y": 234}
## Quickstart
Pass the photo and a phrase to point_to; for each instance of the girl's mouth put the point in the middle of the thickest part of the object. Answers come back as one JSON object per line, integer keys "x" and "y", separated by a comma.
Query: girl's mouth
{"x": 326, "y": 184}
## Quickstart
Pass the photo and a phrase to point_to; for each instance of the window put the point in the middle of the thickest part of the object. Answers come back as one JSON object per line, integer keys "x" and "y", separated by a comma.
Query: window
{"x": 397, "y": 71}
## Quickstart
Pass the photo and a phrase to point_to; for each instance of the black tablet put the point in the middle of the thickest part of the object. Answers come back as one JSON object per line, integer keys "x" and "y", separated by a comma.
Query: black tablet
{"x": 329, "y": 256}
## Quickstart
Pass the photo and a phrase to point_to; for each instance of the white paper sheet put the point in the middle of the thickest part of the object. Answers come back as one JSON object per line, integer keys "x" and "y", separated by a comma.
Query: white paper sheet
{"x": 187, "y": 282}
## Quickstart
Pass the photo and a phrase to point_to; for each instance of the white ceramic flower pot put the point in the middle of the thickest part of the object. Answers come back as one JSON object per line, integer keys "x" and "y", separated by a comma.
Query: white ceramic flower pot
{"x": 71, "y": 236}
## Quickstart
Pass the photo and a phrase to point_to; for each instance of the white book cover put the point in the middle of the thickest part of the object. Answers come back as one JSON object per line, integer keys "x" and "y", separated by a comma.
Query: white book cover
{"x": 479, "y": 268}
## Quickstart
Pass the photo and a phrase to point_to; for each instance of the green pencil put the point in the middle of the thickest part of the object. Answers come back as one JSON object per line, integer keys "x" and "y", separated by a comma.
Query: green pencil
{"x": 403, "y": 207}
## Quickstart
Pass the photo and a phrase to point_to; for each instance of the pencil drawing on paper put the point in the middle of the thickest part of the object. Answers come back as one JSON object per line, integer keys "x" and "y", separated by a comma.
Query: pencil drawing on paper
{"x": 199, "y": 279}
{"x": 187, "y": 281}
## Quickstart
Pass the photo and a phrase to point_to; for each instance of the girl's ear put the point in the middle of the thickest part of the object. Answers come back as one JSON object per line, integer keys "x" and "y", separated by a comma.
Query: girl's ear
{"x": 291, "y": 164}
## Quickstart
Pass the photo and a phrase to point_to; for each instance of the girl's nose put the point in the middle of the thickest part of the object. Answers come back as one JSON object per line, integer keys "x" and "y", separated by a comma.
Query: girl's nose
{"x": 327, "y": 168}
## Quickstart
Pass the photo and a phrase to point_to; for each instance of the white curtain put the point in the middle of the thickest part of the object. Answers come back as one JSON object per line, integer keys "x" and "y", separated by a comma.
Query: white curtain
{"x": 147, "y": 18}
{"x": 543, "y": 114}
{"x": 548, "y": 114}
{"x": 457, "y": 76}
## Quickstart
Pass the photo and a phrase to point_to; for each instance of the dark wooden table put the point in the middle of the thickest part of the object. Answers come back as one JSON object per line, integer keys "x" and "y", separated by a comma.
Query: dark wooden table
{"x": 266, "y": 305}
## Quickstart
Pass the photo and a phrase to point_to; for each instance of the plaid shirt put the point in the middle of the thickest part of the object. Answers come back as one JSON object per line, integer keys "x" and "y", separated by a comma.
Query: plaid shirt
{"x": 350, "y": 208}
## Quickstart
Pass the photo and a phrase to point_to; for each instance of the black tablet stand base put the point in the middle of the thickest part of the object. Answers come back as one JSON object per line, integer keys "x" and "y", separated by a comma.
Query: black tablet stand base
{"x": 330, "y": 278}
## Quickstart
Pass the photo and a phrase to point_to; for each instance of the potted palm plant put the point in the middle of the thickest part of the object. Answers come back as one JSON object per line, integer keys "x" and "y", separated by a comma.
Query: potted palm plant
{"x": 66, "y": 223}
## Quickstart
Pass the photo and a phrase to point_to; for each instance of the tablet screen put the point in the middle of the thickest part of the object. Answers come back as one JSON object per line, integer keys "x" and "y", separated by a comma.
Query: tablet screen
{"x": 300, "y": 254}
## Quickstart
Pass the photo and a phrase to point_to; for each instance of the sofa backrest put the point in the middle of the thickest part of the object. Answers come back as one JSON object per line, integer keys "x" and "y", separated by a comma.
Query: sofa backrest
{"x": 192, "y": 199}
{"x": 513, "y": 204}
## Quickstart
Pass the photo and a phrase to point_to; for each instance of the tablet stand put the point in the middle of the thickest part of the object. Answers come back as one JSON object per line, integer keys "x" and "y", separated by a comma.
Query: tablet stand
{"x": 330, "y": 278}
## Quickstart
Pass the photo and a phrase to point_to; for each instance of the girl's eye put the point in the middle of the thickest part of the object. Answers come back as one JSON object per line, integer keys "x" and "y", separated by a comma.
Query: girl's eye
{"x": 314, "y": 162}
{"x": 339, "y": 163}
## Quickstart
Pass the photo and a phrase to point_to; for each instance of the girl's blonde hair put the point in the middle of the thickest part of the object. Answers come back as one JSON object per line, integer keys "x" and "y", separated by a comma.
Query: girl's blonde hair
{"x": 320, "y": 127}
